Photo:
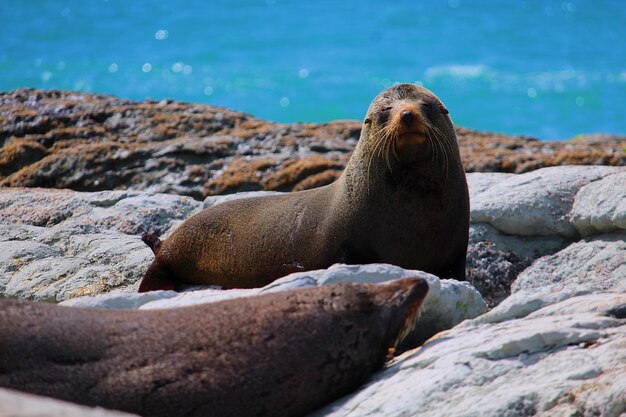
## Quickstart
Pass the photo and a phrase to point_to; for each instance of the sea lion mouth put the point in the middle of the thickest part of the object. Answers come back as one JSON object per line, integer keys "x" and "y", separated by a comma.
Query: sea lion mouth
{"x": 408, "y": 144}
{"x": 413, "y": 134}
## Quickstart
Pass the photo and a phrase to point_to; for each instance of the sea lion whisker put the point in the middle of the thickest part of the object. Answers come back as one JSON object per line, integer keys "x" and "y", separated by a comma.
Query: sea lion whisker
{"x": 395, "y": 141}
{"x": 435, "y": 146}
{"x": 391, "y": 138}
{"x": 373, "y": 151}
{"x": 388, "y": 145}
{"x": 447, "y": 147}
{"x": 439, "y": 138}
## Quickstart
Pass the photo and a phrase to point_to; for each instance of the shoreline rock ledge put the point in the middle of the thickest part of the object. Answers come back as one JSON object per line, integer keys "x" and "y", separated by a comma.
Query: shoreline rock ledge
{"x": 89, "y": 142}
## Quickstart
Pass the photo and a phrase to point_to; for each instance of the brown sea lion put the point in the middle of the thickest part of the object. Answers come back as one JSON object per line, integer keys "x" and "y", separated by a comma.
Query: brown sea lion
{"x": 278, "y": 354}
{"x": 402, "y": 199}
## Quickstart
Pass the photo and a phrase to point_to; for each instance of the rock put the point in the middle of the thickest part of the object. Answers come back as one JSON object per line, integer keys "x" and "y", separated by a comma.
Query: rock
{"x": 536, "y": 203}
{"x": 591, "y": 265}
{"x": 600, "y": 207}
{"x": 518, "y": 219}
{"x": 554, "y": 346}
{"x": 91, "y": 142}
{"x": 59, "y": 244}
{"x": 448, "y": 302}
{"x": 494, "y": 259}
{"x": 92, "y": 239}
{"x": 124, "y": 211}
{"x": 566, "y": 359}
{"x": 19, "y": 404}
{"x": 477, "y": 182}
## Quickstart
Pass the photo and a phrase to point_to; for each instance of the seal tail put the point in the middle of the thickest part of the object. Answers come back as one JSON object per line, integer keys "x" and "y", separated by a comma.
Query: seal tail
{"x": 153, "y": 241}
{"x": 156, "y": 277}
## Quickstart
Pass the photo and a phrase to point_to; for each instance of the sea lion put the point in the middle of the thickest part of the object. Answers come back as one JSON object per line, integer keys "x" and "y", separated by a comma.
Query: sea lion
{"x": 278, "y": 354}
{"x": 402, "y": 199}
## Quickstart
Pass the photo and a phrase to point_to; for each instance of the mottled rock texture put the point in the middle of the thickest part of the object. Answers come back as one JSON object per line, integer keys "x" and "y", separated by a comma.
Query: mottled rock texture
{"x": 89, "y": 142}
{"x": 566, "y": 359}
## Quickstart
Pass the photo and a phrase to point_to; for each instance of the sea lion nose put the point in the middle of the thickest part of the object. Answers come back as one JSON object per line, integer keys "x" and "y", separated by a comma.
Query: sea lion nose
{"x": 407, "y": 117}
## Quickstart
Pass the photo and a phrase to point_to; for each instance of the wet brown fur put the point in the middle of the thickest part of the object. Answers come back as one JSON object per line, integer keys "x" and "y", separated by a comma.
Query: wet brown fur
{"x": 402, "y": 199}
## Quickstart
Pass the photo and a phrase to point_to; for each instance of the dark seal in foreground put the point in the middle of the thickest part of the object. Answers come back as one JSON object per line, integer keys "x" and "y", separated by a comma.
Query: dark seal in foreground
{"x": 278, "y": 354}
{"x": 402, "y": 199}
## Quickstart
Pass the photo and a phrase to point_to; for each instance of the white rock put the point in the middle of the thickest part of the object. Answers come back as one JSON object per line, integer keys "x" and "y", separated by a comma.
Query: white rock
{"x": 129, "y": 212}
{"x": 537, "y": 202}
{"x": 59, "y": 244}
{"x": 19, "y": 404}
{"x": 119, "y": 300}
{"x": 477, "y": 182}
{"x": 600, "y": 207}
{"x": 588, "y": 266}
{"x": 593, "y": 264}
{"x": 566, "y": 361}
{"x": 190, "y": 298}
{"x": 448, "y": 302}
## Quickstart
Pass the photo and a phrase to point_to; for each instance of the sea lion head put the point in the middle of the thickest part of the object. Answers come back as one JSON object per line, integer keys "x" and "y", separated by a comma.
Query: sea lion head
{"x": 406, "y": 123}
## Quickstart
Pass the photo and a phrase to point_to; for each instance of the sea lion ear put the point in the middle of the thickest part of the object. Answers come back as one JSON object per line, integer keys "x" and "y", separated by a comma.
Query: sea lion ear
{"x": 443, "y": 109}
{"x": 367, "y": 121}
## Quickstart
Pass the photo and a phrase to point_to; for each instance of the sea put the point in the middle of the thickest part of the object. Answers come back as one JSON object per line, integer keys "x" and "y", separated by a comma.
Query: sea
{"x": 547, "y": 69}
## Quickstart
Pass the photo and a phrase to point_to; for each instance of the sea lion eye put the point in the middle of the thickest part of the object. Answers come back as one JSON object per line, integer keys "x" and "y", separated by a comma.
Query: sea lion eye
{"x": 385, "y": 109}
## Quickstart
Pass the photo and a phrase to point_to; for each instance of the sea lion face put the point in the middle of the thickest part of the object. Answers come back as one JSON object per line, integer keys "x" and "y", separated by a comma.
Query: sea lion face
{"x": 408, "y": 122}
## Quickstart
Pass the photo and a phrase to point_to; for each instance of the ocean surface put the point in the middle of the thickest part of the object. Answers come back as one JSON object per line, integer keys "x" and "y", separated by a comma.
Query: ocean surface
{"x": 549, "y": 69}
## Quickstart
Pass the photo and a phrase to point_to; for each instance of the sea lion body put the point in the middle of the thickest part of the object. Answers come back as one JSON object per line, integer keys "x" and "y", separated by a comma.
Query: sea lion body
{"x": 402, "y": 199}
{"x": 278, "y": 354}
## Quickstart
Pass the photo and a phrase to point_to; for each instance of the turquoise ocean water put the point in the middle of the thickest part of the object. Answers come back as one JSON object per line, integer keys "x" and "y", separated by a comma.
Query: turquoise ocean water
{"x": 550, "y": 69}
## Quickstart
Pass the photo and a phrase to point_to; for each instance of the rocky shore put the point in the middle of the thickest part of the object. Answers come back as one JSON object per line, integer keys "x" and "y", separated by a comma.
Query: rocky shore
{"x": 87, "y": 142}
{"x": 541, "y": 330}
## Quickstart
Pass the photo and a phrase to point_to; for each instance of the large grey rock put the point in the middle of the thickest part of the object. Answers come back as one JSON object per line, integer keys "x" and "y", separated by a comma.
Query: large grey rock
{"x": 588, "y": 266}
{"x": 477, "y": 182}
{"x": 448, "y": 302}
{"x": 19, "y": 404}
{"x": 517, "y": 219}
{"x": 600, "y": 207}
{"x": 59, "y": 244}
{"x": 592, "y": 264}
{"x": 535, "y": 203}
{"x": 129, "y": 212}
{"x": 566, "y": 359}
